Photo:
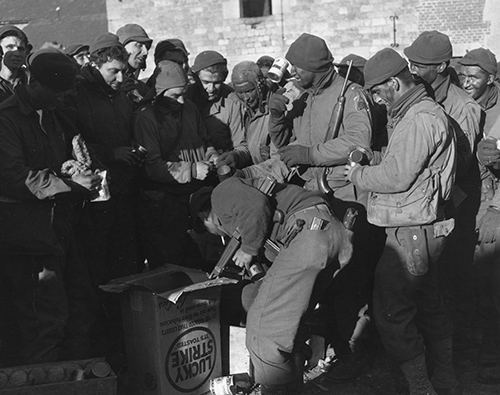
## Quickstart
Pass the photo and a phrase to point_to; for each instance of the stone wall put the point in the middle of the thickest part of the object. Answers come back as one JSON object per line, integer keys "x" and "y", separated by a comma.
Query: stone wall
{"x": 360, "y": 26}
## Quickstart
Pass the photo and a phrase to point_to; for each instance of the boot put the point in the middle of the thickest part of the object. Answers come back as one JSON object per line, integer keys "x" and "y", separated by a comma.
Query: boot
{"x": 415, "y": 372}
{"x": 443, "y": 374}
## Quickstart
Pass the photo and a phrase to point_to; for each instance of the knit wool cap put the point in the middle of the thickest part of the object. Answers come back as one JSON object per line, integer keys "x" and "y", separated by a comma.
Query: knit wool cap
{"x": 481, "y": 57}
{"x": 106, "y": 40}
{"x": 133, "y": 32}
{"x": 178, "y": 43}
{"x": 385, "y": 64}
{"x": 431, "y": 47}
{"x": 206, "y": 59}
{"x": 169, "y": 75}
{"x": 166, "y": 50}
{"x": 310, "y": 53}
{"x": 265, "y": 61}
{"x": 76, "y": 48}
{"x": 357, "y": 61}
{"x": 245, "y": 76}
{"x": 53, "y": 69}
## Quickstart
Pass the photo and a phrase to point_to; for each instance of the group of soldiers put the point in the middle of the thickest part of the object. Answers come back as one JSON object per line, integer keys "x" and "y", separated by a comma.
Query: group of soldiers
{"x": 105, "y": 175}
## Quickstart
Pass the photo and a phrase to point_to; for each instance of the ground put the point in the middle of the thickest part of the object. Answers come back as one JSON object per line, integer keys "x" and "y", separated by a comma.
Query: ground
{"x": 382, "y": 378}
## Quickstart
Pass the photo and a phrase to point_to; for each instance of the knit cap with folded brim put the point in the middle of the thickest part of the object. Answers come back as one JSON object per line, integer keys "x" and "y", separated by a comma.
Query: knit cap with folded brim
{"x": 431, "y": 47}
{"x": 53, "y": 69}
{"x": 169, "y": 75}
{"x": 385, "y": 64}
{"x": 206, "y": 59}
{"x": 481, "y": 57}
{"x": 106, "y": 40}
{"x": 310, "y": 53}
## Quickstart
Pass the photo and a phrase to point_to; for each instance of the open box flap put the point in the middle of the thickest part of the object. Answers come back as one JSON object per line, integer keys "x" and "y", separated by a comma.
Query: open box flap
{"x": 168, "y": 281}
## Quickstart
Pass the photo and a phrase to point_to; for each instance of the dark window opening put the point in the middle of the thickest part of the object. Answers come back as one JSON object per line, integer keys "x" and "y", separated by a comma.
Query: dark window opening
{"x": 255, "y": 8}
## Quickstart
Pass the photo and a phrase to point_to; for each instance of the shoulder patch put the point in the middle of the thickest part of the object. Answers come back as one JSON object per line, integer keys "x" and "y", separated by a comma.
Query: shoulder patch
{"x": 360, "y": 103}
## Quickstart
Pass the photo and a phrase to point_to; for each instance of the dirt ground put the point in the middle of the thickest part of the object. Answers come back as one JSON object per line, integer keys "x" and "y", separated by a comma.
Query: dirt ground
{"x": 382, "y": 378}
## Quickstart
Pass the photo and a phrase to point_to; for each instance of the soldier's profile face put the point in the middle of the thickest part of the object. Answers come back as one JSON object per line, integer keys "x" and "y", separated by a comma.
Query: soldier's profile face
{"x": 428, "y": 72}
{"x": 383, "y": 94}
{"x": 475, "y": 80}
{"x": 304, "y": 78}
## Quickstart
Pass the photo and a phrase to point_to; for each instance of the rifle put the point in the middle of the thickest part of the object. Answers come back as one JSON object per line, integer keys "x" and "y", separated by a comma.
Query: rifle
{"x": 334, "y": 127}
{"x": 224, "y": 265}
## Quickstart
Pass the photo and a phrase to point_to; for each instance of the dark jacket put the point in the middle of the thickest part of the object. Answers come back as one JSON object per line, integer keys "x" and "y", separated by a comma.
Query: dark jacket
{"x": 175, "y": 137}
{"x": 105, "y": 120}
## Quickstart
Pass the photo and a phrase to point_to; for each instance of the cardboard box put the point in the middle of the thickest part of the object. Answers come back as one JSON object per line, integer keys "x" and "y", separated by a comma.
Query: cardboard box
{"x": 56, "y": 378}
{"x": 171, "y": 324}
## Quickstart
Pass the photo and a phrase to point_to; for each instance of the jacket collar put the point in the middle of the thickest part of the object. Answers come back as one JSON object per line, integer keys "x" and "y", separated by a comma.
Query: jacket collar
{"x": 93, "y": 78}
{"x": 405, "y": 102}
{"x": 440, "y": 87}
{"x": 324, "y": 81}
{"x": 490, "y": 97}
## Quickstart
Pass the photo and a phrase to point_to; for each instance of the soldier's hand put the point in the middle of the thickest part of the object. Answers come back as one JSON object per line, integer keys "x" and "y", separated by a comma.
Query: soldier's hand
{"x": 487, "y": 152}
{"x": 201, "y": 170}
{"x": 242, "y": 259}
{"x": 348, "y": 169}
{"x": 277, "y": 104}
{"x": 14, "y": 59}
{"x": 92, "y": 182}
{"x": 488, "y": 225}
{"x": 228, "y": 158}
{"x": 295, "y": 155}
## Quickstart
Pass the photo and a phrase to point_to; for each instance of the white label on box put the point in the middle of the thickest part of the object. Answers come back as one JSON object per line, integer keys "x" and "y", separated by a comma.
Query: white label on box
{"x": 191, "y": 359}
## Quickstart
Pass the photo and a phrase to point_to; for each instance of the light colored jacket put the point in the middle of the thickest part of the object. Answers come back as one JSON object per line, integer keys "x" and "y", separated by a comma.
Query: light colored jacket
{"x": 417, "y": 171}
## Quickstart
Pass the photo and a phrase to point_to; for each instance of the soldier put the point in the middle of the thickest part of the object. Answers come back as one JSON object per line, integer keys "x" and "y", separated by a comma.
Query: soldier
{"x": 250, "y": 88}
{"x": 223, "y": 115}
{"x": 80, "y": 53}
{"x": 429, "y": 57}
{"x": 479, "y": 68}
{"x": 316, "y": 147}
{"x": 15, "y": 47}
{"x": 285, "y": 292}
{"x": 40, "y": 267}
{"x": 137, "y": 43}
{"x": 408, "y": 190}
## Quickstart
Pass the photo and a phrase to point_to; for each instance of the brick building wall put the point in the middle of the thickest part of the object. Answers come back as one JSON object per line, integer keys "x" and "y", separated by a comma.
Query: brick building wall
{"x": 360, "y": 26}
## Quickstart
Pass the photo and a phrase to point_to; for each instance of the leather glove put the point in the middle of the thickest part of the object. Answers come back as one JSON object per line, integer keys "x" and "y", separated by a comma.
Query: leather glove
{"x": 14, "y": 59}
{"x": 228, "y": 158}
{"x": 294, "y": 155}
{"x": 487, "y": 152}
{"x": 277, "y": 104}
{"x": 488, "y": 225}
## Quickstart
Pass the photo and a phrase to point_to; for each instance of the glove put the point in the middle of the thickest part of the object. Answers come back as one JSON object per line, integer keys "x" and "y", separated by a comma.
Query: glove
{"x": 487, "y": 152}
{"x": 277, "y": 104}
{"x": 488, "y": 225}
{"x": 228, "y": 158}
{"x": 14, "y": 59}
{"x": 294, "y": 155}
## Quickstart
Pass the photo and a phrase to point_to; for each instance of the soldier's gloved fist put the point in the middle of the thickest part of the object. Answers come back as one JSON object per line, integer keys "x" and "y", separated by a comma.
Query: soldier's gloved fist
{"x": 295, "y": 155}
{"x": 14, "y": 59}
{"x": 487, "y": 152}
{"x": 200, "y": 170}
{"x": 277, "y": 104}
{"x": 488, "y": 225}
{"x": 228, "y": 158}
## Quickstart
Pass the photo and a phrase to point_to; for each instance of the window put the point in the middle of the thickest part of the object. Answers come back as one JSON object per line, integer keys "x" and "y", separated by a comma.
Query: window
{"x": 255, "y": 8}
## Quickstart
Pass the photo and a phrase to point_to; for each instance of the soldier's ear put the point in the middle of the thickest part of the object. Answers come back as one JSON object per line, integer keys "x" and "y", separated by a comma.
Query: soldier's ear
{"x": 394, "y": 83}
{"x": 442, "y": 67}
{"x": 491, "y": 79}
